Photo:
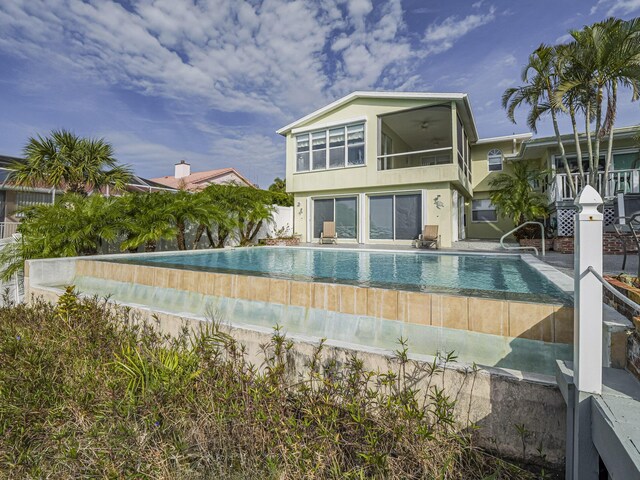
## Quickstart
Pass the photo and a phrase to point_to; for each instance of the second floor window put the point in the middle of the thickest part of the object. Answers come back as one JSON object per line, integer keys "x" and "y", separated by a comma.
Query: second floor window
{"x": 337, "y": 147}
{"x": 495, "y": 160}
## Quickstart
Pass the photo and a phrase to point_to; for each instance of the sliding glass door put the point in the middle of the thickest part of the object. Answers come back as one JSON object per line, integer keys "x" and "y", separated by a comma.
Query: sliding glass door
{"x": 341, "y": 210}
{"x": 395, "y": 217}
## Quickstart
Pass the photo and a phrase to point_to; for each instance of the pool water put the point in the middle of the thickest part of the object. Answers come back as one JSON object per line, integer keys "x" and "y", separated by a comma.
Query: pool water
{"x": 506, "y": 277}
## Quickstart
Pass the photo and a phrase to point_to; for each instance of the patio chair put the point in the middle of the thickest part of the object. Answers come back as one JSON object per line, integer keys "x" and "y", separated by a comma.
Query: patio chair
{"x": 628, "y": 234}
{"x": 429, "y": 237}
{"x": 328, "y": 234}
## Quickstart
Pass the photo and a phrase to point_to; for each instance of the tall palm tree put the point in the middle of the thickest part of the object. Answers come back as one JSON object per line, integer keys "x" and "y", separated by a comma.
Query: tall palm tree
{"x": 540, "y": 81}
{"x": 603, "y": 57}
{"x": 147, "y": 219}
{"x": 64, "y": 160}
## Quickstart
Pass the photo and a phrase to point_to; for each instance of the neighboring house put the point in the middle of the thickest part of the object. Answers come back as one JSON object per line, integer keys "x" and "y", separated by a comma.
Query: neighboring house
{"x": 13, "y": 197}
{"x": 383, "y": 164}
{"x": 185, "y": 180}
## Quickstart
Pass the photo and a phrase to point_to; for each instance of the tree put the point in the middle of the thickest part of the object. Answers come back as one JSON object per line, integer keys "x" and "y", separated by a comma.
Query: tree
{"x": 515, "y": 195}
{"x": 74, "y": 225}
{"x": 254, "y": 209}
{"x": 280, "y": 195}
{"x": 541, "y": 78}
{"x": 65, "y": 161}
{"x": 147, "y": 219}
{"x": 186, "y": 209}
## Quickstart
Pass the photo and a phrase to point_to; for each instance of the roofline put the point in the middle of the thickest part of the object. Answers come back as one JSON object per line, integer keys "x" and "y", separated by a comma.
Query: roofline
{"x": 371, "y": 94}
{"x": 515, "y": 136}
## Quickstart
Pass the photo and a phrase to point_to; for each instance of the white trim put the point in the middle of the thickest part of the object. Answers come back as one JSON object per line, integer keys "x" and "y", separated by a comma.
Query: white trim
{"x": 325, "y": 126}
{"x": 364, "y": 94}
{"x": 430, "y": 150}
{"x": 504, "y": 138}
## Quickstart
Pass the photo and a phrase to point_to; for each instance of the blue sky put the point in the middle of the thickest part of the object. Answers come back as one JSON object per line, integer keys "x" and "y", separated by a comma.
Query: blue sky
{"x": 211, "y": 81}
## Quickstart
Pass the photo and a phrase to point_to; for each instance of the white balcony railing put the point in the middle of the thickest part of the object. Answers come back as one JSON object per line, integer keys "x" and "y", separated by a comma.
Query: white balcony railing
{"x": 618, "y": 181}
{"x": 7, "y": 229}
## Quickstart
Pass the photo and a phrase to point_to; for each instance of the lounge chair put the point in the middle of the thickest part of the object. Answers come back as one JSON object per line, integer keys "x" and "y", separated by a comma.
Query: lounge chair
{"x": 429, "y": 237}
{"x": 328, "y": 234}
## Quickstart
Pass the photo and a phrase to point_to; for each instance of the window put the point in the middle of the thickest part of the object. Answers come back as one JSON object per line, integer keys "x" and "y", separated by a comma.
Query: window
{"x": 302, "y": 153}
{"x": 342, "y": 210}
{"x": 483, "y": 211}
{"x": 395, "y": 217}
{"x": 495, "y": 160}
{"x": 336, "y": 147}
{"x": 29, "y": 199}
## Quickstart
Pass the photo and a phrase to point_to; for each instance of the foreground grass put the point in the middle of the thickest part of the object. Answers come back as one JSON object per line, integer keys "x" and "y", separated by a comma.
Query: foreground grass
{"x": 86, "y": 392}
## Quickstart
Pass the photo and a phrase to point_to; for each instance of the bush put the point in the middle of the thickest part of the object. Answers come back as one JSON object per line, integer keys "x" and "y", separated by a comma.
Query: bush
{"x": 85, "y": 391}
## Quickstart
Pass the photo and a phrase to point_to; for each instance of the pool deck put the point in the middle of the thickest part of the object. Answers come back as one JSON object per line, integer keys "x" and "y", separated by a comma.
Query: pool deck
{"x": 612, "y": 264}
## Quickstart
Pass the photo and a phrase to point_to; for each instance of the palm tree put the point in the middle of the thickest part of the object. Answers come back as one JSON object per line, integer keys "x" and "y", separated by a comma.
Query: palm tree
{"x": 187, "y": 209}
{"x": 147, "y": 220}
{"x": 280, "y": 195}
{"x": 515, "y": 195}
{"x": 540, "y": 78}
{"x": 603, "y": 57}
{"x": 64, "y": 160}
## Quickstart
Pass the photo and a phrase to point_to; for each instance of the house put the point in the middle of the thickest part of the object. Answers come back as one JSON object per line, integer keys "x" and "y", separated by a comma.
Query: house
{"x": 185, "y": 180}
{"x": 382, "y": 164}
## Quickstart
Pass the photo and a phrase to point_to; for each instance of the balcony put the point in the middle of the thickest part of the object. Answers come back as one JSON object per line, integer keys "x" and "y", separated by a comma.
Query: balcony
{"x": 618, "y": 181}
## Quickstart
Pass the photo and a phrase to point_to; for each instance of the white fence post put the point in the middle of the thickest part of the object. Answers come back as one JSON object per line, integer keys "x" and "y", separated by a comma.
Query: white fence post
{"x": 587, "y": 332}
{"x": 587, "y": 321}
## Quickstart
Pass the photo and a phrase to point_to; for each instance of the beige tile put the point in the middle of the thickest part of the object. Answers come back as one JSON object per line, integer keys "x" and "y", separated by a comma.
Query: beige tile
{"x": 243, "y": 287}
{"x": 489, "y": 316}
{"x": 353, "y": 300}
{"x": 563, "y": 325}
{"x": 142, "y": 275}
{"x": 224, "y": 285}
{"x": 382, "y": 303}
{"x": 619, "y": 349}
{"x": 301, "y": 293}
{"x": 82, "y": 268}
{"x": 162, "y": 277}
{"x": 206, "y": 283}
{"x": 531, "y": 320}
{"x": 450, "y": 312}
{"x": 258, "y": 288}
{"x": 414, "y": 307}
{"x": 279, "y": 291}
{"x": 326, "y": 296}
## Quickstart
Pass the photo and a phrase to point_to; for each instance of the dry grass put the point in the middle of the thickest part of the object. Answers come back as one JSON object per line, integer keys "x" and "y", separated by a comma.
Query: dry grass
{"x": 86, "y": 392}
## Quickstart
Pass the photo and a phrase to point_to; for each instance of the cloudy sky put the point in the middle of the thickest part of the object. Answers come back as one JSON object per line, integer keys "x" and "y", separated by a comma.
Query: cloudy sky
{"x": 210, "y": 81}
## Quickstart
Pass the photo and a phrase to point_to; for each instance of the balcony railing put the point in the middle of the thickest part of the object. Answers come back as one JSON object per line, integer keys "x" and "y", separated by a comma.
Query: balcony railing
{"x": 7, "y": 229}
{"x": 420, "y": 158}
{"x": 618, "y": 181}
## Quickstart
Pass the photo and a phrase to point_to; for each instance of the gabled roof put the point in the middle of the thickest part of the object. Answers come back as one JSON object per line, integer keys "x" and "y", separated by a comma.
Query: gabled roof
{"x": 198, "y": 180}
{"x": 461, "y": 98}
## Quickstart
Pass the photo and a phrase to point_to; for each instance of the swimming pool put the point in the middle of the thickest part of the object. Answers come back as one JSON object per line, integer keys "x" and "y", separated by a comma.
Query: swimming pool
{"x": 504, "y": 277}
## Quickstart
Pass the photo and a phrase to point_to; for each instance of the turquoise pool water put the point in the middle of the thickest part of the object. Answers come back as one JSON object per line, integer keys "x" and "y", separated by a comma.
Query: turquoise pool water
{"x": 505, "y": 277}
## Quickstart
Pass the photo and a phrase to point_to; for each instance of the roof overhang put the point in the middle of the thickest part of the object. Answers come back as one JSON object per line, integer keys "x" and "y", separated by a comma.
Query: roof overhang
{"x": 461, "y": 99}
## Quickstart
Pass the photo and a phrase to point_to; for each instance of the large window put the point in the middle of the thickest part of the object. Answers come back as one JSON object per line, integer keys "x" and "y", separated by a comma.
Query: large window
{"x": 495, "y": 160}
{"x": 395, "y": 217}
{"x": 29, "y": 199}
{"x": 342, "y": 210}
{"x": 483, "y": 211}
{"x": 333, "y": 148}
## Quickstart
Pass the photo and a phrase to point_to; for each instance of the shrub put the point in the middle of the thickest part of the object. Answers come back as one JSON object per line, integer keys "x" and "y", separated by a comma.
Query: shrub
{"x": 86, "y": 391}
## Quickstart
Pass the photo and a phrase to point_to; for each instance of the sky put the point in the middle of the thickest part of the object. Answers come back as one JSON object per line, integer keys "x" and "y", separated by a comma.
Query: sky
{"x": 211, "y": 81}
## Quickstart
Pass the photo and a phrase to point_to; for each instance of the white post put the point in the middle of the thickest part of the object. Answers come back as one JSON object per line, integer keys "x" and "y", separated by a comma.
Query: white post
{"x": 583, "y": 459}
{"x": 559, "y": 187}
{"x": 635, "y": 181}
{"x": 587, "y": 320}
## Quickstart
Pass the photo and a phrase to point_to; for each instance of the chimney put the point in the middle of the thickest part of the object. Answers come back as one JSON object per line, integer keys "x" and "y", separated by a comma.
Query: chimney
{"x": 183, "y": 169}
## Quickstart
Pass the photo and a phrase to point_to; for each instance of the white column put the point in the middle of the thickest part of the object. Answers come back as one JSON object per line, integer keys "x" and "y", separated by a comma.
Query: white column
{"x": 635, "y": 181}
{"x": 587, "y": 320}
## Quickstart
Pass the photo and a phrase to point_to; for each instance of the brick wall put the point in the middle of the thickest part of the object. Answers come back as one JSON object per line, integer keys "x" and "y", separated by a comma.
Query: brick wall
{"x": 611, "y": 245}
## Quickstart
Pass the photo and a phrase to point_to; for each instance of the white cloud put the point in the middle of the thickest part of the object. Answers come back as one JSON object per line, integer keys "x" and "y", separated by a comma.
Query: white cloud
{"x": 440, "y": 37}
{"x": 266, "y": 57}
{"x": 616, "y": 7}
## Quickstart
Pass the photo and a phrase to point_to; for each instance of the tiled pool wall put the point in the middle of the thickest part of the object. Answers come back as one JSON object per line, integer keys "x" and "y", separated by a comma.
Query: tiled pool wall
{"x": 533, "y": 321}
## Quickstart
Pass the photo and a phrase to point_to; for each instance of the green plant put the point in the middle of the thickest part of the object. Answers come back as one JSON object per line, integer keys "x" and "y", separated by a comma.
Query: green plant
{"x": 66, "y": 161}
{"x": 515, "y": 194}
{"x": 89, "y": 390}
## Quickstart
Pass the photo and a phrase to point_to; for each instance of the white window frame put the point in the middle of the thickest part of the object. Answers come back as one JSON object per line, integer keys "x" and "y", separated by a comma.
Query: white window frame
{"x": 394, "y": 194}
{"x": 493, "y": 154}
{"x": 345, "y": 127}
{"x": 491, "y": 209}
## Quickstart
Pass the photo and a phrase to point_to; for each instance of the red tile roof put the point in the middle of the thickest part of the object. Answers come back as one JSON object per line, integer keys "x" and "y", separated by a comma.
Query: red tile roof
{"x": 199, "y": 180}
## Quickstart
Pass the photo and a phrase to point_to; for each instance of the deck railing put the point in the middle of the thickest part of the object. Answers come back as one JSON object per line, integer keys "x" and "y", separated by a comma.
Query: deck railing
{"x": 8, "y": 229}
{"x": 618, "y": 181}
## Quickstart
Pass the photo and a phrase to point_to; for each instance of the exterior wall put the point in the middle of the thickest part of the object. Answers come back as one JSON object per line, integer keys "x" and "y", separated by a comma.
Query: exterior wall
{"x": 436, "y": 210}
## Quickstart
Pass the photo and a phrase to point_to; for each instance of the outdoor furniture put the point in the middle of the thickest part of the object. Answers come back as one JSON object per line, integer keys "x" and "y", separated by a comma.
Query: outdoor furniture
{"x": 628, "y": 233}
{"x": 429, "y": 237}
{"x": 328, "y": 234}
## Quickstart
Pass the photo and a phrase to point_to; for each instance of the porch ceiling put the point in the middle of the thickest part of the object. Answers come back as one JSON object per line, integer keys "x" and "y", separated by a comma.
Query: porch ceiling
{"x": 422, "y": 128}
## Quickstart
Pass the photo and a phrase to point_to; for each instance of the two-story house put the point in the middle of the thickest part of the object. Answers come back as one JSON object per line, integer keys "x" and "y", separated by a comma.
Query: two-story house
{"x": 383, "y": 164}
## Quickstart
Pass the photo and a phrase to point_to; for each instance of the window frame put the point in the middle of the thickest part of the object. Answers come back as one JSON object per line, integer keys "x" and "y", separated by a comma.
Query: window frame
{"x": 495, "y": 153}
{"x": 333, "y": 199}
{"x": 393, "y": 196}
{"x": 327, "y": 150}
{"x": 474, "y": 210}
